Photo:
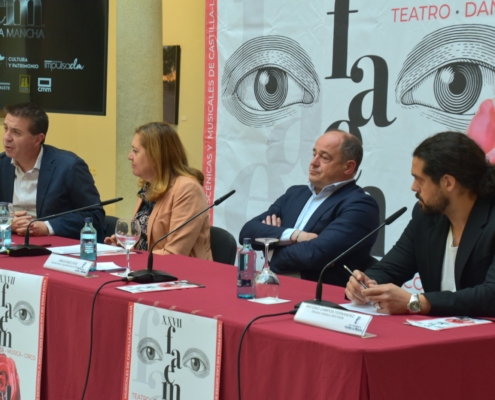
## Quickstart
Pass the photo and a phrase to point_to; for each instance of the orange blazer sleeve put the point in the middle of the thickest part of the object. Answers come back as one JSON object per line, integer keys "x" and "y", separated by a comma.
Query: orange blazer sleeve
{"x": 184, "y": 199}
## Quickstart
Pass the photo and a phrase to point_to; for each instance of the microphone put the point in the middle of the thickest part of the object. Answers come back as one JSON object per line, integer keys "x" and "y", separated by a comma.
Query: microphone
{"x": 319, "y": 285}
{"x": 149, "y": 275}
{"x": 30, "y": 250}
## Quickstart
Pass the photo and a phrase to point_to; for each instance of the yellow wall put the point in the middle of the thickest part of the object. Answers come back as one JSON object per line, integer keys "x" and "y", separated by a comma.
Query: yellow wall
{"x": 183, "y": 25}
{"x": 93, "y": 138}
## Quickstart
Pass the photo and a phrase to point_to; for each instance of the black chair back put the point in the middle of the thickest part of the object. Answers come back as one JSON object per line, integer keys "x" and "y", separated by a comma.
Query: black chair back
{"x": 223, "y": 245}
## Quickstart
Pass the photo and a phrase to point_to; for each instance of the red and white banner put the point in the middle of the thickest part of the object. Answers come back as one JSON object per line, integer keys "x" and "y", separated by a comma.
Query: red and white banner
{"x": 392, "y": 72}
{"x": 22, "y": 321}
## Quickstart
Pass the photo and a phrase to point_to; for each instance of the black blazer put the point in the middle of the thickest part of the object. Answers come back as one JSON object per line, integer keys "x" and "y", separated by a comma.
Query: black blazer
{"x": 421, "y": 248}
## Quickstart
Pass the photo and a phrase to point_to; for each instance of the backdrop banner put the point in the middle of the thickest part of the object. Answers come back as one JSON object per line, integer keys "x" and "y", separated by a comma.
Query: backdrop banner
{"x": 280, "y": 72}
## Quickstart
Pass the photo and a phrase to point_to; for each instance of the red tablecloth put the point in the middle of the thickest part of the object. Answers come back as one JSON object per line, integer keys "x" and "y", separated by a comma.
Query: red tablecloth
{"x": 281, "y": 359}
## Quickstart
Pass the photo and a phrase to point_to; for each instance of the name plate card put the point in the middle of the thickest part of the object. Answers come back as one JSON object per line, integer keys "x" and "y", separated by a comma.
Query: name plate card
{"x": 333, "y": 319}
{"x": 68, "y": 264}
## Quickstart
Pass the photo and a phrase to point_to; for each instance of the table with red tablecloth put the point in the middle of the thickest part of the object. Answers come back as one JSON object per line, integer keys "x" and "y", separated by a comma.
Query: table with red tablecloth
{"x": 281, "y": 359}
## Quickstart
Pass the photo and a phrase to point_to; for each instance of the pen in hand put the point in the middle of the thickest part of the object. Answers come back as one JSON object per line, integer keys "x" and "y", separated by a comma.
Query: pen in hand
{"x": 361, "y": 282}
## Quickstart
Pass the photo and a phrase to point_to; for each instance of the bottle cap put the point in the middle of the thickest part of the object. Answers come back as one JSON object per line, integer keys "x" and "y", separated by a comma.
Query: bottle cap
{"x": 246, "y": 240}
{"x": 88, "y": 220}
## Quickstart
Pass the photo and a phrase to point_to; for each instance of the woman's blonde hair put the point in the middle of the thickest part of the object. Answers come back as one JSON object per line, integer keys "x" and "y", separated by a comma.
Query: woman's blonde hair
{"x": 167, "y": 157}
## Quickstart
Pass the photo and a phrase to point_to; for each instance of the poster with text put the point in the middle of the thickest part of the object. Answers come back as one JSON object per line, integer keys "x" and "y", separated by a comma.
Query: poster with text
{"x": 171, "y": 355}
{"x": 22, "y": 319}
{"x": 54, "y": 53}
{"x": 279, "y": 73}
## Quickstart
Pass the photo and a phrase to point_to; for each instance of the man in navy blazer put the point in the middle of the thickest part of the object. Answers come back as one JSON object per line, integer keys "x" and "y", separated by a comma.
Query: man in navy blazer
{"x": 317, "y": 222}
{"x": 41, "y": 180}
{"x": 450, "y": 240}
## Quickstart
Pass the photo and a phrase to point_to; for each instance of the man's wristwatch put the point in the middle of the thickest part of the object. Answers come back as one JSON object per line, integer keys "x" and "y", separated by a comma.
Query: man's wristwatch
{"x": 414, "y": 305}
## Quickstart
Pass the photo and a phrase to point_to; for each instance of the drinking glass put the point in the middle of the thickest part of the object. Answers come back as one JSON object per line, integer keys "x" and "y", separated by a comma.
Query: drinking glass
{"x": 266, "y": 282}
{"x": 127, "y": 232}
{"x": 6, "y": 217}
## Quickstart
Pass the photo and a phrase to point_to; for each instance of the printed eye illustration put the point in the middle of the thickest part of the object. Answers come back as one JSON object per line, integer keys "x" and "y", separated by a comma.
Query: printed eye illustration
{"x": 149, "y": 351}
{"x": 450, "y": 72}
{"x": 197, "y": 362}
{"x": 266, "y": 78}
{"x": 24, "y": 312}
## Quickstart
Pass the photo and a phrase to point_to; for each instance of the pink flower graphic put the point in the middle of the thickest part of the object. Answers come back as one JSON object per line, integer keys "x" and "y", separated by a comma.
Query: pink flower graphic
{"x": 9, "y": 380}
{"x": 482, "y": 128}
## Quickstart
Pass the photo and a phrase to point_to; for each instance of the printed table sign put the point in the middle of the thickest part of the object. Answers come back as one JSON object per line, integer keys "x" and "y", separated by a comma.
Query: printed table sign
{"x": 171, "y": 355}
{"x": 22, "y": 318}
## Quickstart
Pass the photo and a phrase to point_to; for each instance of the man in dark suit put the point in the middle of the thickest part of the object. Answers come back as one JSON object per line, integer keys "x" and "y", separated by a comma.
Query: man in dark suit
{"x": 450, "y": 240}
{"x": 41, "y": 180}
{"x": 316, "y": 222}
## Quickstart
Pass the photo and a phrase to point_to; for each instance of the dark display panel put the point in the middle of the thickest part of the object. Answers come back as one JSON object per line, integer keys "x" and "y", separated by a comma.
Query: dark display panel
{"x": 54, "y": 53}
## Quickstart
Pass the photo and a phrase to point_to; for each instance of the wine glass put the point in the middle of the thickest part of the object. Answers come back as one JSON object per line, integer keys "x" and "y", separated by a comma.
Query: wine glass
{"x": 266, "y": 282}
{"x": 6, "y": 217}
{"x": 127, "y": 232}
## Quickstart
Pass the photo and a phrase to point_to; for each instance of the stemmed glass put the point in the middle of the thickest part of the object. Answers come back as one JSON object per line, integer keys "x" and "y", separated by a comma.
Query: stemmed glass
{"x": 266, "y": 282}
{"x": 6, "y": 217}
{"x": 127, "y": 232}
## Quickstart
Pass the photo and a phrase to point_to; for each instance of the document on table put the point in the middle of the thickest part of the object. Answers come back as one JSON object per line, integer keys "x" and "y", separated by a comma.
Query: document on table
{"x": 363, "y": 308}
{"x": 102, "y": 250}
{"x": 108, "y": 266}
{"x": 158, "y": 287}
{"x": 439, "y": 324}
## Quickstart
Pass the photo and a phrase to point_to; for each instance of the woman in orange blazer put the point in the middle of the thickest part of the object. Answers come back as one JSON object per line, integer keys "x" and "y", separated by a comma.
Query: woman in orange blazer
{"x": 170, "y": 193}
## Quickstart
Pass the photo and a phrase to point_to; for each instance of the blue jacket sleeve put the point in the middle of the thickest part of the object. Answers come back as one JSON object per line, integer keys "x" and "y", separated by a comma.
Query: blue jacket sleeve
{"x": 76, "y": 191}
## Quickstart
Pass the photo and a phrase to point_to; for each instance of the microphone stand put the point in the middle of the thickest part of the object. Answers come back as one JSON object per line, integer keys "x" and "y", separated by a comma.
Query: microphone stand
{"x": 30, "y": 250}
{"x": 149, "y": 275}
{"x": 319, "y": 285}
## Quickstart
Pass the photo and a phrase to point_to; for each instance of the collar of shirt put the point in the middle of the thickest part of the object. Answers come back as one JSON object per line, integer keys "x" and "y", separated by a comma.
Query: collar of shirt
{"x": 37, "y": 165}
{"x": 329, "y": 189}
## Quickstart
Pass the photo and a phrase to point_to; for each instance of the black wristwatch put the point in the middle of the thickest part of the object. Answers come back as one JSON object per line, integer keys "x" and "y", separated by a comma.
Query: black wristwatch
{"x": 414, "y": 305}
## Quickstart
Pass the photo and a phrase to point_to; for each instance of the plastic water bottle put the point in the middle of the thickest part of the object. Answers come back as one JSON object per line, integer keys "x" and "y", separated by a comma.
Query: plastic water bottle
{"x": 8, "y": 238}
{"x": 247, "y": 270}
{"x": 88, "y": 242}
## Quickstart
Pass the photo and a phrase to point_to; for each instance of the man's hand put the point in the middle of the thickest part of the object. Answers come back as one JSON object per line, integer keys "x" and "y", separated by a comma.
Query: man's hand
{"x": 111, "y": 240}
{"x": 354, "y": 290}
{"x": 20, "y": 222}
{"x": 297, "y": 236}
{"x": 305, "y": 236}
{"x": 388, "y": 298}
{"x": 37, "y": 228}
{"x": 272, "y": 220}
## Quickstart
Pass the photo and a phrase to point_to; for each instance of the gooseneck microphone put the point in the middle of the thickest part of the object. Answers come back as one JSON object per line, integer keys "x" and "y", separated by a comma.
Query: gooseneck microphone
{"x": 149, "y": 275}
{"x": 319, "y": 285}
{"x": 30, "y": 250}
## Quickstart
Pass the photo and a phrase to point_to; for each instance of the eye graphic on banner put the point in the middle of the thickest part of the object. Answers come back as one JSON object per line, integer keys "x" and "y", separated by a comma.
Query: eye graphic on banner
{"x": 450, "y": 72}
{"x": 265, "y": 78}
{"x": 197, "y": 361}
{"x": 24, "y": 312}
